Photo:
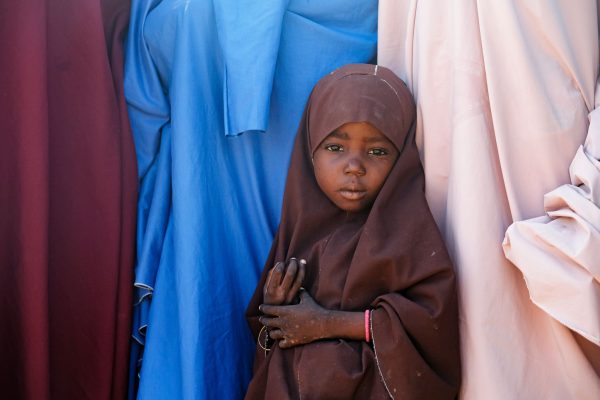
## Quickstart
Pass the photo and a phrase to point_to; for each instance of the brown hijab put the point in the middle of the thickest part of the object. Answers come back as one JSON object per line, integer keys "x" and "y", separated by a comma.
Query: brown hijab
{"x": 390, "y": 259}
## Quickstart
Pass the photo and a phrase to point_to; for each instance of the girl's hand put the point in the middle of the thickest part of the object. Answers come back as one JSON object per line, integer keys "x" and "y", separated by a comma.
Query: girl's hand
{"x": 283, "y": 282}
{"x": 296, "y": 324}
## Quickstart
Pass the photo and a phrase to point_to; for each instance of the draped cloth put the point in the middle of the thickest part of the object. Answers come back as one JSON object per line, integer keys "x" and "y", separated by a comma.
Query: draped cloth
{"x": 559, "y": 253}
{"x": 215, "y": 90}
{"x": 67, "y": 195}
{"x": 504, "y": 91}
{"x": 390, "y": 258}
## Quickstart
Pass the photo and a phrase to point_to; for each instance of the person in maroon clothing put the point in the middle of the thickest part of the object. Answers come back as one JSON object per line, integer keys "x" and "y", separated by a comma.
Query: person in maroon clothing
{"x": 67, "y": 200}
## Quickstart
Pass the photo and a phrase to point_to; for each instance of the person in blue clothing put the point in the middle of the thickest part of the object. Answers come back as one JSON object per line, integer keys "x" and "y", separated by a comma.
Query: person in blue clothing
{"x": 215, "y": 90}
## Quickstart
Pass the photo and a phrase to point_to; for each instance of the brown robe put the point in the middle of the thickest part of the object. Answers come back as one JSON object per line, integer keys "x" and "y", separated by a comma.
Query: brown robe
{"x": 390, "y": 259}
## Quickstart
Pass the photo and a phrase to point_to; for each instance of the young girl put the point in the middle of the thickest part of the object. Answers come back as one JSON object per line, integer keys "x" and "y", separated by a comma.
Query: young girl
{"x": 360, "y": 301}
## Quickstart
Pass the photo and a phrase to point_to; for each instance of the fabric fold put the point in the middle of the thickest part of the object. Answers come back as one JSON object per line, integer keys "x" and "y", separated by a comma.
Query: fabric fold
{"x": 246, "y": 102}
{"x": 558, "y": 253}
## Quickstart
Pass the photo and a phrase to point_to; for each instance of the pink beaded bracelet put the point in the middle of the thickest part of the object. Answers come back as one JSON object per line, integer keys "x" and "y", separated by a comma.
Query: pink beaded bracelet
{"x": 367, "y": 327}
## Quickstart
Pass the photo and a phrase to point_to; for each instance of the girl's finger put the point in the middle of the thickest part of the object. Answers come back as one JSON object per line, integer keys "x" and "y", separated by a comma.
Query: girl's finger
{"x": 276, "y": 334}
{"x": 304, "y": 296}
{"x": 275, "y": 278}
{"x": 271, "y": 310}
{"x": 270, "y": 322}
{"x": 268, "y": 282}
{"x": 290, "y": 274}
{"x": 297, "y": 282}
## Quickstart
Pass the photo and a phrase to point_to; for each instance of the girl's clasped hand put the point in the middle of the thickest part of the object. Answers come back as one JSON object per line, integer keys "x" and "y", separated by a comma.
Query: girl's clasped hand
{"x": 291, "y": 316}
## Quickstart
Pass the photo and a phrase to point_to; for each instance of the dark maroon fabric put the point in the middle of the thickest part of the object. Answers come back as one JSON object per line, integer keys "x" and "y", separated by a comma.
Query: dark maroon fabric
{"x": 390, "y": 258}
{"x": 67, "y": 197}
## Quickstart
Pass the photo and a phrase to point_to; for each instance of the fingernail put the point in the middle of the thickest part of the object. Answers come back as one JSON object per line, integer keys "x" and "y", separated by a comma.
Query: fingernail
{"x": 260, "y": 308}
{"x": 302, "y": 261}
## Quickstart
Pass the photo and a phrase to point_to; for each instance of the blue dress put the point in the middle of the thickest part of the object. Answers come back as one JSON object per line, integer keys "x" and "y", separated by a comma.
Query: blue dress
{"x": 215, "y": 91}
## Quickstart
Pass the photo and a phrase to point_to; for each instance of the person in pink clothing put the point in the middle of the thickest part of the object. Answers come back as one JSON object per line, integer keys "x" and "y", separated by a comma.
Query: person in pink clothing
{"x": 509, "y": 135}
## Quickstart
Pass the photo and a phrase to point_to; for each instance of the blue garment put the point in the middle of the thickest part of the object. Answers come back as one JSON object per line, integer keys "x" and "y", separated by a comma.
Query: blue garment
{"x": 199, "y": 73}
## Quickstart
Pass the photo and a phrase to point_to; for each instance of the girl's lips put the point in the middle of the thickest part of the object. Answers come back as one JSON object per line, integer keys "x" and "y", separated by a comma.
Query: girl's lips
{"x": 349, "y": 194}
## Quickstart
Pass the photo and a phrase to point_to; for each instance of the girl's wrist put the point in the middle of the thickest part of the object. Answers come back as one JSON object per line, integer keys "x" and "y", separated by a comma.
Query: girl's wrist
{"x": 343, "y": 325}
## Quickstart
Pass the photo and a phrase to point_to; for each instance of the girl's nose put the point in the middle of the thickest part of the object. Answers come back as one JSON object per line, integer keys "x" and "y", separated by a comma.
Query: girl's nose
{"x": 355, "y": 166}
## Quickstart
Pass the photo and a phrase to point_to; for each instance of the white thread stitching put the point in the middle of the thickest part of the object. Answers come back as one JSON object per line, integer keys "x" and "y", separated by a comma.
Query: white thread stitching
{"x": 298, "y": 377}
{"x": 377, "y": 359}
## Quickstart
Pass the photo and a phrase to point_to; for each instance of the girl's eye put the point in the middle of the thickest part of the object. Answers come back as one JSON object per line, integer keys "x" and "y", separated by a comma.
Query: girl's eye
{"x": 334, "y": 147}
{"x": 378, "y": 152}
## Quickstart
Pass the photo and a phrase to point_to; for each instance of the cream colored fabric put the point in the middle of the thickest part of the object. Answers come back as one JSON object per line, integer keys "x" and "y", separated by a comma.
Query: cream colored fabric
{"x": 559, "y": 253}
{"x": 503, "y": 91}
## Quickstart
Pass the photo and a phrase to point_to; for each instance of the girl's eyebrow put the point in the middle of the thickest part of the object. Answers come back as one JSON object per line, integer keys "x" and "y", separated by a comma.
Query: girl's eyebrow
{"x": 339, "y": 135}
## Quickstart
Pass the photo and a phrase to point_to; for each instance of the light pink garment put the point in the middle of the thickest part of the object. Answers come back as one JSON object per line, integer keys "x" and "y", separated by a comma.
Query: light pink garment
{"x": 503, "y": 91}
{"x": 559, "y": 253}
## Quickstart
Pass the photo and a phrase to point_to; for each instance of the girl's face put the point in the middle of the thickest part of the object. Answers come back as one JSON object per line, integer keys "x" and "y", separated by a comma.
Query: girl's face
{"x": 352, "y": 163}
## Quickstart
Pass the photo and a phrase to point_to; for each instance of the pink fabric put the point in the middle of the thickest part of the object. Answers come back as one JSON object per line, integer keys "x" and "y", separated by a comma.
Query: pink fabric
{"x": 559, "y": 253}
{"x": 503, "y": 91}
